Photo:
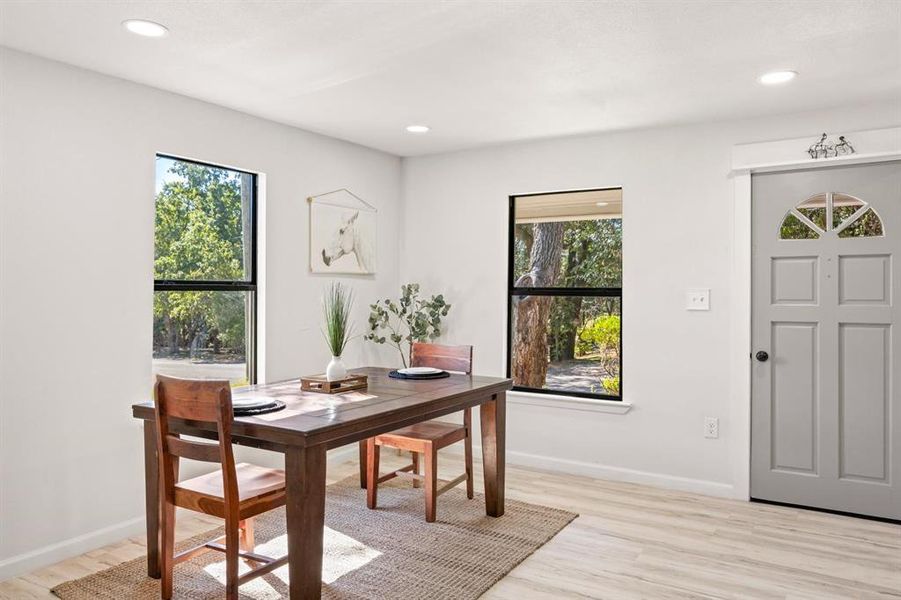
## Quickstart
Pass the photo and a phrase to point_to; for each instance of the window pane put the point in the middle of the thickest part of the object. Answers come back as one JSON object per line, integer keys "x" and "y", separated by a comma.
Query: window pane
{"x": 203, "y": 222}
{"x": 815, "y": 209}
{"x": 794, "y": 228}
{"x": 843, "y": 207}
{"x": 571, "y": 239}
{"x": 867, "y": 225}
{"x": 201, "y": 334}
{"x": 566, "y": 343}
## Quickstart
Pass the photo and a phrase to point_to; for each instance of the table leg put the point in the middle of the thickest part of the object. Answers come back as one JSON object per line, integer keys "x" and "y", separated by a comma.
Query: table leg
{"x": 152, "y": 499}
{"x": 363, "y": 452}
{"x": 494, "y": 424}
{"x": 305, "y": 481}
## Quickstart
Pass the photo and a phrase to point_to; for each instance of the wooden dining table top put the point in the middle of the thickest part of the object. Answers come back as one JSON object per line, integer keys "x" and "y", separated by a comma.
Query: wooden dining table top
{"x": 311, "y": 418}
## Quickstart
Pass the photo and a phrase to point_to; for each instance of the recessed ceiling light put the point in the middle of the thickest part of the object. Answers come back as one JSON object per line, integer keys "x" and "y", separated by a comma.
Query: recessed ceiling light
{"x": 417, "y": 129}
{"x": 602, "y": 203}
{"x": 777, "y": 77}
{"x": 145, "y": 28}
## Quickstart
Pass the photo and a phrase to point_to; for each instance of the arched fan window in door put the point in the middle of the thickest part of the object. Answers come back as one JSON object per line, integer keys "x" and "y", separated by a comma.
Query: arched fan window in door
{"x": 840, "y": 214}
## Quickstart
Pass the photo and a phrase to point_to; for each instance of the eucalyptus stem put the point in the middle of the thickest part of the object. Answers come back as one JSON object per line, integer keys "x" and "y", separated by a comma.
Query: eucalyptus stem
{"x": 398, "y": 345}
{"x": 406, "y": 320}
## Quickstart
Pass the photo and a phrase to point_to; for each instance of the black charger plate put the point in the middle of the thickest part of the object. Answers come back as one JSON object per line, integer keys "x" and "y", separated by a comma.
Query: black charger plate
{"x": 260, "y": 410}
{"x": 399, "y": 375}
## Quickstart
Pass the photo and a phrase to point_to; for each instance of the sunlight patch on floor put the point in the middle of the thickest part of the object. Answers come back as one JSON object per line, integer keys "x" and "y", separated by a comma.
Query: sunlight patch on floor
{"x": 343, "y": 554}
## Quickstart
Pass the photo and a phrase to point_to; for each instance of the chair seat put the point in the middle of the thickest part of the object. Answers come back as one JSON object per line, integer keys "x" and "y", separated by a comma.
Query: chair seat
{"x": 259, "y": 489}
{"x": 438, "y": 433}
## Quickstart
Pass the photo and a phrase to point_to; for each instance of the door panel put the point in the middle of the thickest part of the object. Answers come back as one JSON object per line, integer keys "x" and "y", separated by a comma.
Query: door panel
{"x": 826, "y": 414}
{"x": 865, "y": 279}
{"x": 795, "y": 279}
{"x": 794, "y": 396}
{"x": 864, "y": 387}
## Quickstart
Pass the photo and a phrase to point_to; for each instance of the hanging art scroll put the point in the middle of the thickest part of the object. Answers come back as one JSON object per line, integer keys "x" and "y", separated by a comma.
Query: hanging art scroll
{"x": 342, "y": 233}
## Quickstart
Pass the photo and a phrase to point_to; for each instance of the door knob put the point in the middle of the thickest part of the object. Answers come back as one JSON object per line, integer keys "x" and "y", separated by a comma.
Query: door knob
{"x": 762, "y": 356}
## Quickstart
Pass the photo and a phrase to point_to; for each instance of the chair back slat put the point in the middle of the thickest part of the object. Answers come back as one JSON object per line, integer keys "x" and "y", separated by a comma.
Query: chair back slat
{"x": 202, "y": 401}
{"x": 194, "y": 400}
{"x": 192, "y": 450}
{"x": 439, "y": 356}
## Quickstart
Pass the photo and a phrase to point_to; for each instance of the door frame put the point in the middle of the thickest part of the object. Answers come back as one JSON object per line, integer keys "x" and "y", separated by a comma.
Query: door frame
{"x": 873, "y": 146}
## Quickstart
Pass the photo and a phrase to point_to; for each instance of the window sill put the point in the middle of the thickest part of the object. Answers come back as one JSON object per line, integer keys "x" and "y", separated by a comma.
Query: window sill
{"x": 616, "y": 407}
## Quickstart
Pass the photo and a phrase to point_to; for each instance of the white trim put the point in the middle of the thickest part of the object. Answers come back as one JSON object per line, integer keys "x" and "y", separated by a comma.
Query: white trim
{"x": 262, "y": 239}
{"x": 47, "y": 555}
{"x": 599, "y": 471}
{"x": 873, "y": 146}
{"x": 740, "y": 368}
{"x": 26, "y": 562}
{"x": 569, "y": 402}
{"x": 853, "y": 159}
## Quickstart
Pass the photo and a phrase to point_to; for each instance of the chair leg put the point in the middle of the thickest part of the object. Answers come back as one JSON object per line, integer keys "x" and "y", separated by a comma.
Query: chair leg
{"x": 416, "y": 482}
{"x": 246, "y": 538}
{"x": 372, "y": 472}
{"x": 232, "y": 545}
{"x": 167, "y": 549}
{"x": 431, "y": 483}
{"x": 467, "y": 446}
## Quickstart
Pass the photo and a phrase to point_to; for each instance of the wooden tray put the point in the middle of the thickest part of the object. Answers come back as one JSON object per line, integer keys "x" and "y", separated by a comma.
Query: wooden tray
{"x": 319, "y": 383}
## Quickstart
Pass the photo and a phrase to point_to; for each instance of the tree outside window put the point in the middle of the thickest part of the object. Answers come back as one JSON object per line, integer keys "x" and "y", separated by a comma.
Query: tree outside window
{"x": 204, "y": 271}
{"x": 566, "y": 293}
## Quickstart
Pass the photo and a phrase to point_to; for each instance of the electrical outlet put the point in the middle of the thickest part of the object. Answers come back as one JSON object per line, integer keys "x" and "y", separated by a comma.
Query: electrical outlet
{"x": 697, "y": 299}
{"x": 711, "y": 427}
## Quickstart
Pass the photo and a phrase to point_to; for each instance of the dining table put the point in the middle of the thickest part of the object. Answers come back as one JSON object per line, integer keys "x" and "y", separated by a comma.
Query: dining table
{"x": 312, "y": 423}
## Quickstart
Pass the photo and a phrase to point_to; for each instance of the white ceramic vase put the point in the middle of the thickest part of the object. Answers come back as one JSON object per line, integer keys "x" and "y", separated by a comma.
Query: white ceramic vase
{"x": 336, "y": 369}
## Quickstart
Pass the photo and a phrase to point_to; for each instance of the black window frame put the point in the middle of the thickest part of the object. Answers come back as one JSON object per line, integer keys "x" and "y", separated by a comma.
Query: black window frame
{"x": 513, "y": 291}
{"x": 249, "y": 286}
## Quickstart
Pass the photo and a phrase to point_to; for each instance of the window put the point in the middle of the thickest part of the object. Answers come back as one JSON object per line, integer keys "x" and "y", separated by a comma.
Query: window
{"x": 565, "y": 293}
{"x": 847, "y": 216}
{"x": 205, "y": 280}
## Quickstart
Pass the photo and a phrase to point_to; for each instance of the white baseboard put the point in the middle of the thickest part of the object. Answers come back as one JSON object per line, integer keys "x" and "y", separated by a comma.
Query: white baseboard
{"x": 48, "y": 555}
{"x": 54, "y": 553}
{"x": 599, "y": 471}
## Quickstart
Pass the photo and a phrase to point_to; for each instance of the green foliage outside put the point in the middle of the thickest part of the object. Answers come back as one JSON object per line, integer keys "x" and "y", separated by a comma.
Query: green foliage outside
{"x": 599, "y": 334}
{"x": 592, "y": 253}
{"x": 407, "y": 320}
{"x": 199, "y": 236}
{"x": 591, "y": 257}
{"x": 794, "y": 229}
{"x": 868, "y": 225}
{"x": 600, "y": 337}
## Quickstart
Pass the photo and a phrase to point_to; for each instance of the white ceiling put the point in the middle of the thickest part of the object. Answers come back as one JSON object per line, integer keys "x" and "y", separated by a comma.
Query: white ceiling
{"x": 481, "y": 72}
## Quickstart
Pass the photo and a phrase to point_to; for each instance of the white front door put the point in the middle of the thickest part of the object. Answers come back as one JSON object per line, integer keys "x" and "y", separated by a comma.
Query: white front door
{"x": 826, "y": 401}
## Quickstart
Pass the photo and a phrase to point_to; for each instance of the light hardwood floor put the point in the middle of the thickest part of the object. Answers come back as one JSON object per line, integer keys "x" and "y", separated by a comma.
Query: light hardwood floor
{"x": 634, "y": 541}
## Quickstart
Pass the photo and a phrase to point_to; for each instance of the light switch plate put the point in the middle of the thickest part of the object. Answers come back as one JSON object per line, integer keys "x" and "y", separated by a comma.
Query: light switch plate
{"x": 697, "y": 299}
{"x": 711, "y": 427}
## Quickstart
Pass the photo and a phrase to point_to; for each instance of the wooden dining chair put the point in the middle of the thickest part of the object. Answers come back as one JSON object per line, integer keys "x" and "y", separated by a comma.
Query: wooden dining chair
{"x": 425, "y": 439}
{"x": 235, "y": 493}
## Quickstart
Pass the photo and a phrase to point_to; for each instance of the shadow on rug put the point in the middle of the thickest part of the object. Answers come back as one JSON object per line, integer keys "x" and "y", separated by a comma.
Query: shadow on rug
{"x": 390, "y": 552}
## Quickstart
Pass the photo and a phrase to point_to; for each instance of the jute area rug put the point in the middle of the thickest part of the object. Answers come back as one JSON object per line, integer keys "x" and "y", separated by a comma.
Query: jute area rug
{"x": 389, "y": 553}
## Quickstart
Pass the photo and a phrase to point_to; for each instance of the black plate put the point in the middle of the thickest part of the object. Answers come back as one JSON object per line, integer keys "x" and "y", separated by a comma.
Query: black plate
{"x": 399, "y": 375}
{"x": 260, "y": 410}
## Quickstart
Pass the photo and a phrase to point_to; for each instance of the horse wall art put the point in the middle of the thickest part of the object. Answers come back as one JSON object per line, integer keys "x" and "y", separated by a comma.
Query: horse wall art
{"x": 342, "y": 240}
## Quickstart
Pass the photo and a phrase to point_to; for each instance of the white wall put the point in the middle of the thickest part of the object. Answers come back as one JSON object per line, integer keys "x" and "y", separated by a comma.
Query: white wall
{"x": 677, "y": 234}
{"x": 76, "y": 257}
{"x": 76, "y": 276}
